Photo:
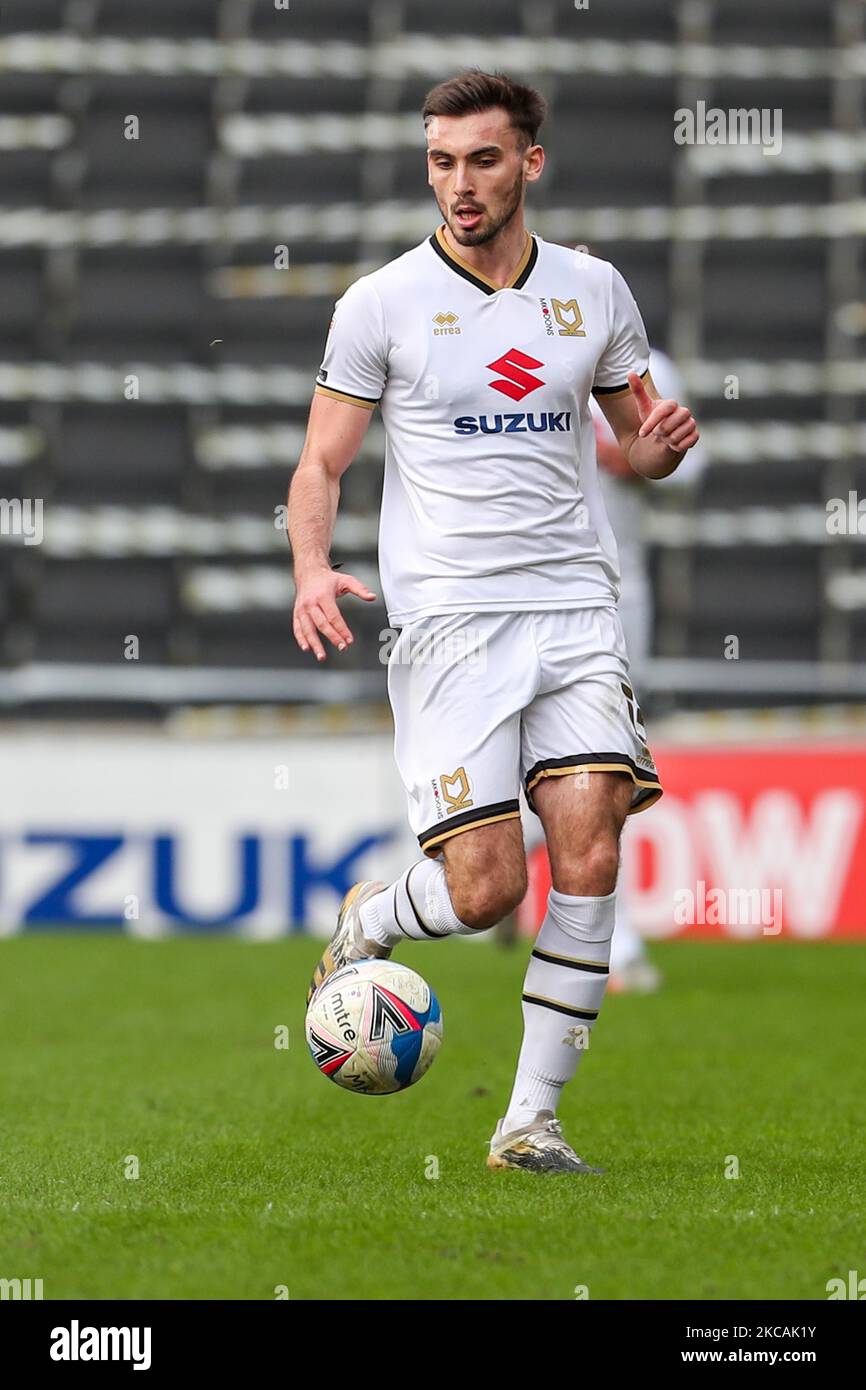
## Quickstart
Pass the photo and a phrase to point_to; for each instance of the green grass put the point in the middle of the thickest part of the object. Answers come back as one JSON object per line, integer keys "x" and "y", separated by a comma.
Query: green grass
{"x": 257, "y": 1172}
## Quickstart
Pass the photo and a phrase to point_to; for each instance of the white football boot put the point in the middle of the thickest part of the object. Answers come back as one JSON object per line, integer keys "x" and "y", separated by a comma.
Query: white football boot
{"x": 538, "y": 1147}
{"x": 348, "y": 942}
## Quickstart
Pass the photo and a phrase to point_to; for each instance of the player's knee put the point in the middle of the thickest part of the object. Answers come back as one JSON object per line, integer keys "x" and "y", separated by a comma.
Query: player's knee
{"x": 592, "y": 870}
{"x": 484, "y": 899}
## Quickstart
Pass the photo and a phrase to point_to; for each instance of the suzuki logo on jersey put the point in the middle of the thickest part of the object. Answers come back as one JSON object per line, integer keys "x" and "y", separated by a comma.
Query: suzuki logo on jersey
{"x": 514, "y": 422}
{"x": 516, "y": 380}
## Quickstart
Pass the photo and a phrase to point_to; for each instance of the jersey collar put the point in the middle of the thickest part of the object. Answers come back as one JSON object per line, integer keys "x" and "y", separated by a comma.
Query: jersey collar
{"x": 468, "y": 272}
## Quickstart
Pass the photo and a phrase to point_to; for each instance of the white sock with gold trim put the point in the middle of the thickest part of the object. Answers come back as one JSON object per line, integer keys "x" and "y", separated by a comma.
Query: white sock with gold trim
{"x": 562, "y": 993}
{"x": 417, "y": 906}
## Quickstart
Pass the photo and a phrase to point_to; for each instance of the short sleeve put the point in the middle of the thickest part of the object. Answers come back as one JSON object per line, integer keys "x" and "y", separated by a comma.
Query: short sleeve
{"x": 355, "y": 366}
{"x": 627, "y": 349}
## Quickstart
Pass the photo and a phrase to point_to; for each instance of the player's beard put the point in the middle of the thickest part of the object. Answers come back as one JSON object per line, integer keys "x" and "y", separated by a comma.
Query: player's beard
{"x": 478, "y": 236}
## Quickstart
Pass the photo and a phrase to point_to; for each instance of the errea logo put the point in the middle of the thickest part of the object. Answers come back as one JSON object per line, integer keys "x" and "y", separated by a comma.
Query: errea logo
{"x": 445, "y": 324}
{"x": 516, "y": 379}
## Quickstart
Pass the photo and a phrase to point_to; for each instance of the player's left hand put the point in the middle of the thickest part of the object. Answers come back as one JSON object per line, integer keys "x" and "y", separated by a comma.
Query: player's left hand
{"x": 669, "y": 423}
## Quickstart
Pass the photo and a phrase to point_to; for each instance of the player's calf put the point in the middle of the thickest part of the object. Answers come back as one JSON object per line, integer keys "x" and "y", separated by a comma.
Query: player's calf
{"x": 481, "y": 904}
{"x": 467, "y": 891}
{"x": 486, "y": 870}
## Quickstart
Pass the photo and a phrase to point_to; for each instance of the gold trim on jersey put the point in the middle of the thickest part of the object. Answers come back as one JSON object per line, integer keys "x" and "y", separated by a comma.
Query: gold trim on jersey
{"x": 363, "y": 401}
{"x": 476, "y": 274}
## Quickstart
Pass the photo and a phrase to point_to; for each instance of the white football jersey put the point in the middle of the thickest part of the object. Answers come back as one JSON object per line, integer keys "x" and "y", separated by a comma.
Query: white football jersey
{"x": 491, "y": 501}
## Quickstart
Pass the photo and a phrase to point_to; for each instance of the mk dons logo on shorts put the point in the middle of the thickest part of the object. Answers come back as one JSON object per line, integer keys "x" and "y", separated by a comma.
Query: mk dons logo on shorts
{"x": 516, "y": 379}
{"x": 455, "y": 790}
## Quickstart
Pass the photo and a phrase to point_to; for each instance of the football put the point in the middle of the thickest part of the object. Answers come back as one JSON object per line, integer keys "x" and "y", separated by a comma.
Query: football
{"x": 374, "y": 1027}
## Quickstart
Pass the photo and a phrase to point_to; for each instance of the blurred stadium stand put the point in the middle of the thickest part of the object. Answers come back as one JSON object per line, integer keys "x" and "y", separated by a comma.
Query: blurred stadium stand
{"x": 262, "y": 127}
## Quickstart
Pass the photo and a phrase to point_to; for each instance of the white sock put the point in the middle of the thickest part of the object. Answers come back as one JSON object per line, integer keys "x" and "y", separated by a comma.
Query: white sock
{"x": 562, "y": 993}
{"x": 417, "y": 906}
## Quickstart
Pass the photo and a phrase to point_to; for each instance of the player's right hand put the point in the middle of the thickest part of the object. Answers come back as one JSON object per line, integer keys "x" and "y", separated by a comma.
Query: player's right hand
{"x": 316, "y": 609}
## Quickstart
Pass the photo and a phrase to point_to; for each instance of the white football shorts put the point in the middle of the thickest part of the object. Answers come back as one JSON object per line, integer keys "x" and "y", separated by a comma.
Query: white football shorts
{"x": 481, "y": 700}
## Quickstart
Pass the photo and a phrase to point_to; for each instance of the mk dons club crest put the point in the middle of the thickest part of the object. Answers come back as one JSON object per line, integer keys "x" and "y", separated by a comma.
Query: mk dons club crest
{"x": 455, "y": 790}
{"x": 568, "y": 316}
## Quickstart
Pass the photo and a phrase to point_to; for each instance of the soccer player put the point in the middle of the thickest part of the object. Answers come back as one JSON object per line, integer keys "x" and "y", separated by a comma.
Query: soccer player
{"x": 481, "y": 346}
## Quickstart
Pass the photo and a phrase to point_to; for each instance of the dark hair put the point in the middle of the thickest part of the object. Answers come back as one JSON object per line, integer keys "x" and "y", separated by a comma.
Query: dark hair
{"x": 478, "y": 91}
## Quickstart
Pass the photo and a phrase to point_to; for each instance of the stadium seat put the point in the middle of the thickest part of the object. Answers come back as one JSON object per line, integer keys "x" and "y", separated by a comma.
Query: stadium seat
{"x": 32, "y": 16}
{"x": 26, "y": 177}
{"x": 22, "y": 301}
{"x": 346, "y": 21}
{"x": 79, "y": 643}
{"x": 130, "y": 299}
{"x": 763, "y": 484}
{"x": 593, "y": 146}
{"x": 160, "y": 18}
{"x": 772, "y": 296}
{"x": 453, "y": 17}
{"x": 122, "y": 453}
{"x": 734, "y": 585}
{"x": 808, "y": 23}
{"x": 308, "y": 96}
{"x": 116, "y": 594}
{"x": 640, "y": 19}
{"x": 166, "y": 165}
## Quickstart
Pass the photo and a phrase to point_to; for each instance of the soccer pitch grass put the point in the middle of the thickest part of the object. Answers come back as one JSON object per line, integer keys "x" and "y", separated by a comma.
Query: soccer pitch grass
{"x": 256, "y": 1172}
